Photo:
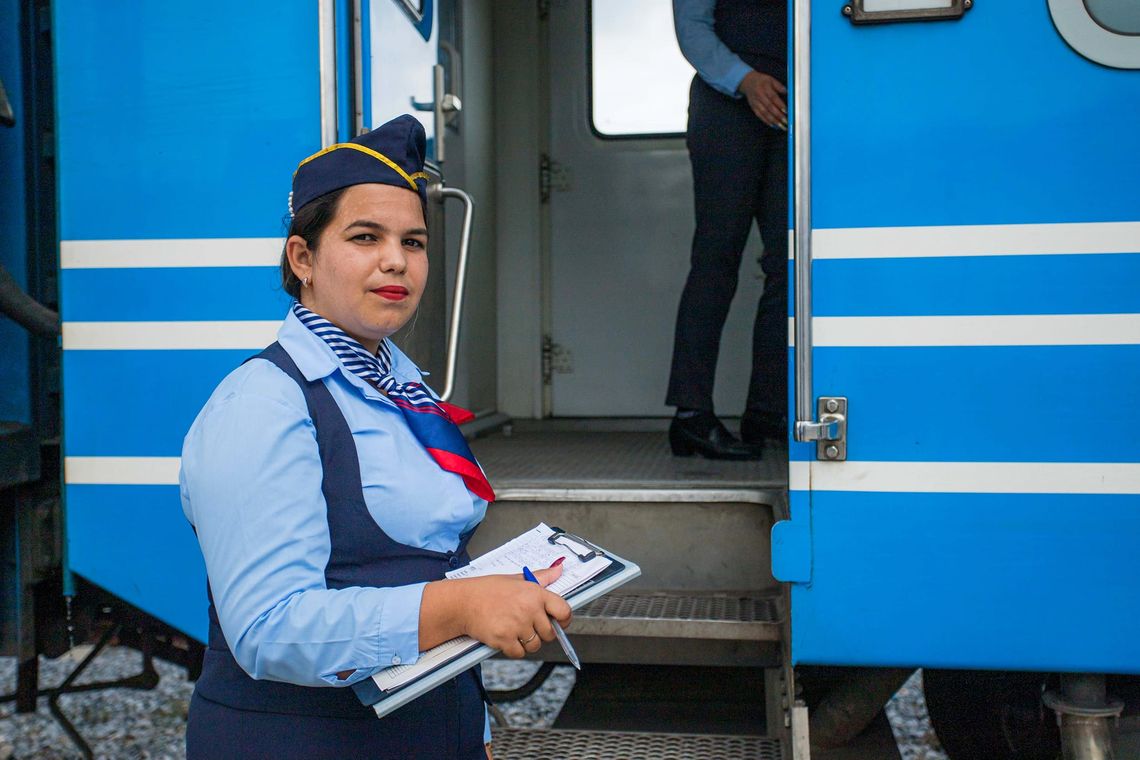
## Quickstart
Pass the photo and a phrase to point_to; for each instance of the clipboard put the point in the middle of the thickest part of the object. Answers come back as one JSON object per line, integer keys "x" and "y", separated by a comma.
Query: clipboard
{"x": 619, "y": 572}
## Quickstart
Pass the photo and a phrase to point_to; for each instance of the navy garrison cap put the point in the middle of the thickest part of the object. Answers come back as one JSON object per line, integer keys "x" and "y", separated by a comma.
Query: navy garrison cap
{"x": 391, "y": 154}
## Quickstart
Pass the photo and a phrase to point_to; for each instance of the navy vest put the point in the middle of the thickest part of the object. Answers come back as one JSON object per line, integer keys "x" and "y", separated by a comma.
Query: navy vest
{"x": 446, "y": 722}
{"x": 757, "y": 31}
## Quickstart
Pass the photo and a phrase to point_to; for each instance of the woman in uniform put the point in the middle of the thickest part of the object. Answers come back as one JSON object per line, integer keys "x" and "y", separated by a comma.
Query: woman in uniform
{"x": 330, "y": 493}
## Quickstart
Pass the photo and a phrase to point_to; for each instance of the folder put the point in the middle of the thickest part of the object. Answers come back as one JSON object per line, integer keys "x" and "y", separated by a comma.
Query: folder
{"x": 392, "y": 688}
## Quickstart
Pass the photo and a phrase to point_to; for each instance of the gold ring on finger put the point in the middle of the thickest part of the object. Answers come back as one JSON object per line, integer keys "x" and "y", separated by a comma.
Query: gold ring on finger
{"x": 527, "y": 641}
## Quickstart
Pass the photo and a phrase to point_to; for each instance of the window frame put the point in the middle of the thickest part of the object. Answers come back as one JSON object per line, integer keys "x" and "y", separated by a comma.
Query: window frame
{"x": 1081, "y": 31}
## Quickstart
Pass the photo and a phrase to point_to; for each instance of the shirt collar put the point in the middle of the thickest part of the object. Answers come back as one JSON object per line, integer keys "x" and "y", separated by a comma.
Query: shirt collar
{"x": 317, "y": 360}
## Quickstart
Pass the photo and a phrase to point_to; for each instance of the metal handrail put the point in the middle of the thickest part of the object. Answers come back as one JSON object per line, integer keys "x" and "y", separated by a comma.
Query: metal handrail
{"x": 806, "y": 428}
{"x": 443, "y": 193}
{"x": 326, "y": 26}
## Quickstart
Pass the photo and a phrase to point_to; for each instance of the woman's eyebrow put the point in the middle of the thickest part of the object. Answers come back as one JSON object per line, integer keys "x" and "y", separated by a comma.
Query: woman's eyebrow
{"x": 367, "y": 225}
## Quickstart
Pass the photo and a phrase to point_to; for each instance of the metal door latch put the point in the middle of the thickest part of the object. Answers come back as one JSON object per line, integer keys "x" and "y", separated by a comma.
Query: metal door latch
{"x": 830, "y": 433}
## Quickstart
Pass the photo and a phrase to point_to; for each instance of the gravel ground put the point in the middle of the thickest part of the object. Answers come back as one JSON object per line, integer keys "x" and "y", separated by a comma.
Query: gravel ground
{"x": 911, "y": 723}
{"x": 149, "y": 725}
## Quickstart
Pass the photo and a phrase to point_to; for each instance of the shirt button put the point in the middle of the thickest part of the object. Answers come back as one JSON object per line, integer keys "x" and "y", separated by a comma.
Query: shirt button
{"x": 454, "y": 561}
{"x": 395, "y": 659}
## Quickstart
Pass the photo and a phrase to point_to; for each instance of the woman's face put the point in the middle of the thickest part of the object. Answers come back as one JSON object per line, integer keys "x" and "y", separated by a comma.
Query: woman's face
{"x": 371, "y": 265}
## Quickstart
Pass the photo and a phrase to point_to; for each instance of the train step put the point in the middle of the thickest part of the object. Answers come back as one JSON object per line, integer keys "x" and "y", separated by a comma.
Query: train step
{"x": 548, "y": 744}
{"x": 744, "y": 616}
{"x": 549, "y": 456}
{"x": 698, "y": 528}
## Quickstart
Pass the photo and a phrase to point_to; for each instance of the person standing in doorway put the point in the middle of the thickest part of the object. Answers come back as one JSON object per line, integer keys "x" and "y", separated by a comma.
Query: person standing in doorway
{"x": 737, "y": 140}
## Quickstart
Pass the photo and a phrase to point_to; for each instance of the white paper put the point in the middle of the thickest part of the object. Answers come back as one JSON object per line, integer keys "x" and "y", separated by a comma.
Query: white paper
{"x": 533, "y": 550}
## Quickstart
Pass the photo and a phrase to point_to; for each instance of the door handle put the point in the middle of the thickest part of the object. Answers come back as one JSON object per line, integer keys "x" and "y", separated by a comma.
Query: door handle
{"x": 442, "y": 105}
{"x": 442, "y": 194}
{"x": 827, "y": 424}
{"x": 806, "y": 427}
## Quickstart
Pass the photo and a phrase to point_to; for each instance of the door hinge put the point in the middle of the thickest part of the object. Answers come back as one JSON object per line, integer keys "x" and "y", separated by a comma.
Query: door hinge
{"x": 544, "y": 181}
{"x": 551, "y": 176}
{"x": 555, "y": 358}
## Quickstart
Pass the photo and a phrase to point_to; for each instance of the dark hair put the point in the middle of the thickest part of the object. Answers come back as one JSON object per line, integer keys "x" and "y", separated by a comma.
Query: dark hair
{"x": 309, "y": 222}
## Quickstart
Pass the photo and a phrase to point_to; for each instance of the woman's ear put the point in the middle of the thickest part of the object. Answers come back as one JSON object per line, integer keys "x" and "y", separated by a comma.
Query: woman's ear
{"x": 300, "y": 257}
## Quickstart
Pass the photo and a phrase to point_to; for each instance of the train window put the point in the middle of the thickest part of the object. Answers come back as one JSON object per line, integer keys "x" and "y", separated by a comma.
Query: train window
{"x": 639, "y": 81}
{"x": 1105, "y": 31}
{"x": 1120, "y": 16}
{"x": 420, "y": 14}
{"x": 414, "y": 7}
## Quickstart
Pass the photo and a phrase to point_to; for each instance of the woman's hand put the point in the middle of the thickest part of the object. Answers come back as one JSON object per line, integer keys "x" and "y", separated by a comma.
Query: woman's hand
{"x": 504, "y": 611}
{"x": 763, "y": 93}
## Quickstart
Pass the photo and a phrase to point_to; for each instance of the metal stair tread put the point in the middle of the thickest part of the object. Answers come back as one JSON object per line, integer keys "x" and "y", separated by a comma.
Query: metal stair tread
{"x": 748, "y": 616}
{"x": 541, "y": 744}
{"x": 560, "y": 465}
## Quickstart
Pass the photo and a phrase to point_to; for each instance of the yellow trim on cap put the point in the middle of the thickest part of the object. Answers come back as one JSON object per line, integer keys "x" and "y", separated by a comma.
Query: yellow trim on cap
{"x": 409, "y": 178}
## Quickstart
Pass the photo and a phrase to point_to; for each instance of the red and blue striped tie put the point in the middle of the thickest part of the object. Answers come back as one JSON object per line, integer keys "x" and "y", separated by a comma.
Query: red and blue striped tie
{"x": 433, "y": 423}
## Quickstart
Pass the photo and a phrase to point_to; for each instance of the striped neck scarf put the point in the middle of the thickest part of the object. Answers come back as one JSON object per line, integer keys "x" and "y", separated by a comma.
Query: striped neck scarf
{"x": 434, "y": 423}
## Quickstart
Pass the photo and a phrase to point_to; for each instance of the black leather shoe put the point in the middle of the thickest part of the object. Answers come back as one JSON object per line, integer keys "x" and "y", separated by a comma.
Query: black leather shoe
{"x": 757, "y": 427}
{"x": 704, "y": 434}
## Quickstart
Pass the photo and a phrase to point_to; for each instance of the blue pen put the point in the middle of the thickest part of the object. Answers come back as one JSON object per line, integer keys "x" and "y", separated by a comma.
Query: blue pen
{"x": 559, "y": 634}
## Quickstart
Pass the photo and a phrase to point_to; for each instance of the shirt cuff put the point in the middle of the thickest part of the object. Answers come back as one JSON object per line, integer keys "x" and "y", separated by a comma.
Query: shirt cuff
{"x": 735, "y": 76}
{"x": 399, "y": 626}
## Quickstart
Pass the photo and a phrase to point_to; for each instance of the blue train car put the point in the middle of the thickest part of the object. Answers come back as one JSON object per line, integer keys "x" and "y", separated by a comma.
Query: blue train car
{"x": 967, "y": 239}
{"x": 958, "y": 490}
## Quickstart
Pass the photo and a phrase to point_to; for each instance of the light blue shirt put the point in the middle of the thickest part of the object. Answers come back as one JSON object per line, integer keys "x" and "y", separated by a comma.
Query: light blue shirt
{"x": 251, "y": 486}
{"x": 721, "y": 68}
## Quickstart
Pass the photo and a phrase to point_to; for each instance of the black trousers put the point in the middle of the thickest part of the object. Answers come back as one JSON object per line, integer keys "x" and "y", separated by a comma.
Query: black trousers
{"x": 740, "y": 175}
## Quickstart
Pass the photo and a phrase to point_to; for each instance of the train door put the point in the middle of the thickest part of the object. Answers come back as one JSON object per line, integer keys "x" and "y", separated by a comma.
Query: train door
{"x": 620, "y": 199}
{"x": 399, "y": 45}
{"x": 412, "y": 53}
{"x": 966, "y": 326}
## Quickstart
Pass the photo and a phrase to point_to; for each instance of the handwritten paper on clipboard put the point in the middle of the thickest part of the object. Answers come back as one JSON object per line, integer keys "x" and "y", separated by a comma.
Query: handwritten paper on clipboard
{"x": 532, "y": 549}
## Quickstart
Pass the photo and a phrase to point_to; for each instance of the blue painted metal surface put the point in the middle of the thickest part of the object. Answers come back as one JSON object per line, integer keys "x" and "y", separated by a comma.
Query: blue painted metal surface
{"x": 989, "y": 120}
{"x": 188, "y": 125}
{"x": 979, "y": 285}
{"x": 173, "y": 293}
{"x": 116, "y": 380}
{"x": 972, "y": 581}
{"x": 985, "y": 403}
{"x": 185, "y": 129}
{"x": 344, "y": 65}
{"x": 960, "y": 123}
{"x": 133, "y": 541}
{"x": 366, "y": 67}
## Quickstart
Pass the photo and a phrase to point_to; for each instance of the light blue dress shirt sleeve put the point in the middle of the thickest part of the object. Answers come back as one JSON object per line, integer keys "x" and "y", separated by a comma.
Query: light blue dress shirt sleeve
{"x": 251, "y": 486}
{"x": 721, "y": 68}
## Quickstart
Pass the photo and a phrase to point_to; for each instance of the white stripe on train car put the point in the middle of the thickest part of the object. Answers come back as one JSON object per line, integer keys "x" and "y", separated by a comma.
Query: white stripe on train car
{"x": 973, "y": 240}
{"x": 153, "y": 254}
{"x": 886, "y": 477}
{"x": 991, "y": 330}
{"x": 968, "y": 477}
{"x": 127, "y": 336}
{"x": 133, "y": 471}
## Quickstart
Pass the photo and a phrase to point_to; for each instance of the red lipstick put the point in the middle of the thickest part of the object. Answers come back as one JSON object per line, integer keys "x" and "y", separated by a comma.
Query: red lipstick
{"x": 392, "y": 292}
